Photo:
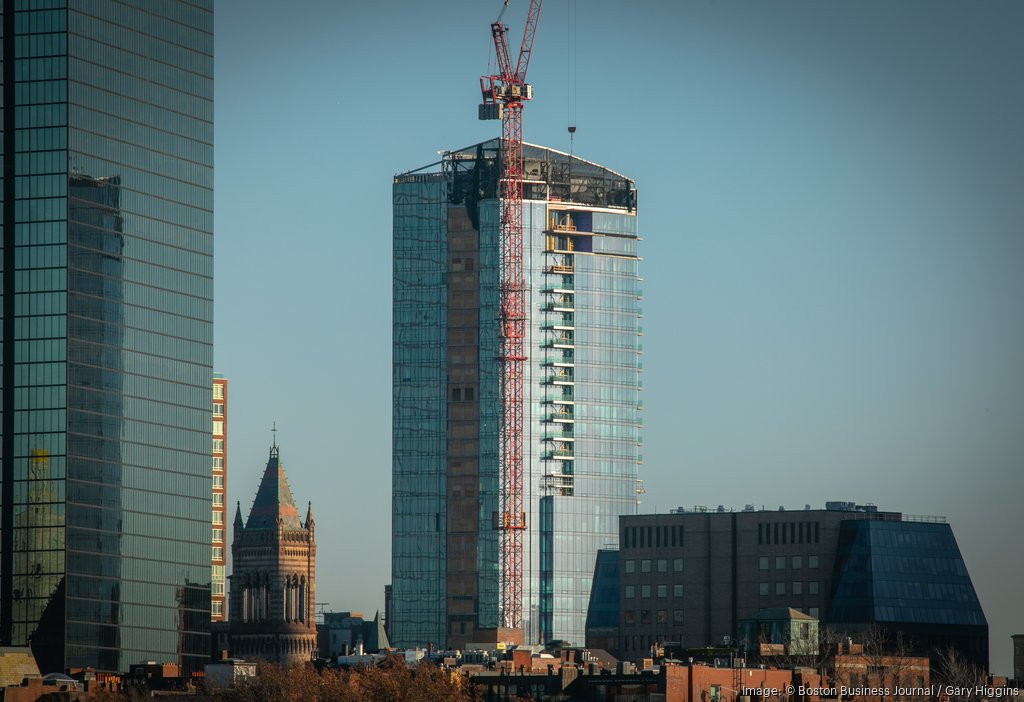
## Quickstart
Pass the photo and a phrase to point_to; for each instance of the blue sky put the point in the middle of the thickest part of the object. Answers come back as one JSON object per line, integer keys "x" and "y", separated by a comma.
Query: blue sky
{"x": 831, "y": 204}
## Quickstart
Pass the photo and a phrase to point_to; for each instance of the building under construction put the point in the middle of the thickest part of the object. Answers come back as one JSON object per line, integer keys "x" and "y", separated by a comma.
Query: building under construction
{"x": 580, "y": 392}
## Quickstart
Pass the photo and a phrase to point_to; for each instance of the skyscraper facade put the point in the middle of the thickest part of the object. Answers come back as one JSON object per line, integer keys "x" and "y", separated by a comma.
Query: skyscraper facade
{"x": 581, "y": 391}
{"x": 107, "y": 298}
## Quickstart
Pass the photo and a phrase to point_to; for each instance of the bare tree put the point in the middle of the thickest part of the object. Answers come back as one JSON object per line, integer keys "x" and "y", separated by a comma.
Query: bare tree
{"x": 958, "y": 676}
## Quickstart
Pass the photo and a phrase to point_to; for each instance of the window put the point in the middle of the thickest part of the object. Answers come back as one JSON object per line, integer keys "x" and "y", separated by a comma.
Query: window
{"x": 812, "y": 587}
{"x": 218, "y": 553}
{"x": 645, "y": 616}
{"x": 218, "y": 535}
{"x": 645, "y": 565}
{"x": 217, "y": 589}
{"x": 798, "y": 587}
{"x": 456, "y": 394}
{"x": 677, "y": 616}
{"x": 812, "y": 561}
{"x": 645, "y": 592}
{"x": 218, "y": 392}
{"x": 630, "y": 592}
{"x": 218, "y": 445}
{"x": 762, "y": 563}
{"x": 677, "y": 591}
{"x": 780, "y": 588}
{"x": 762, "y": 589}
{"x": 663, "y": 591}
{"x": 631, "y": 616}
{"x": 217, "y": 608}
{"x": 631, "y": 566}
{"x": 677, "y": 565}
{"x": 218, "y": 427}
{"x": 662, "y": 616}
{"x": 218, "y": 463}
{"x": 218, "y": 482}
{"x": 798, "y": 562}
{"x": 218, "y": 517}
{"x": 780, "y": 562}
{"x": 218, "y": 409}
{"x": 217, "y": 572}
{"x": 662, "y": 565}
{"x": 813, "y": 611}
{"x": 469, "y": 394}
{"x": 218, "y": 498}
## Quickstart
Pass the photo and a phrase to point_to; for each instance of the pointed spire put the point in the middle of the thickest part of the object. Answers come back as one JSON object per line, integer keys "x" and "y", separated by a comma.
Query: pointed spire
{"x": 309, "y": 516}
{"x": 238, "y": 515}
{"x": 274, "y": 506}
{"x": 378, "y": 639}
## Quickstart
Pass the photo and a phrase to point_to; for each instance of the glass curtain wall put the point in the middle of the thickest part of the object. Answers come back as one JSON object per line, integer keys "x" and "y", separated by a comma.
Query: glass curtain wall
{"x": 419, "y": 407}
{"x": 581, "y": 389}
{"x": 108, "y": 333}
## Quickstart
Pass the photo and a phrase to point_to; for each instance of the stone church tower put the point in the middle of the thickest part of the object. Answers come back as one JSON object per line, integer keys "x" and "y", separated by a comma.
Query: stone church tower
{"x": 273, "y": 575}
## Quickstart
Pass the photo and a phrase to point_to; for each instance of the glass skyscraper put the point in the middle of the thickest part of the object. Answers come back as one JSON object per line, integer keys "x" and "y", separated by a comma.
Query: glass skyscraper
{"x": 107, "y": 293}
{"x": 581, "y": 388}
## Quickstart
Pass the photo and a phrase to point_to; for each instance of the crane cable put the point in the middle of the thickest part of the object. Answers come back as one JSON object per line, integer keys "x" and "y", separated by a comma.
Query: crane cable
{"x": 570, "y": 47}
{"x": 570, "y": 79}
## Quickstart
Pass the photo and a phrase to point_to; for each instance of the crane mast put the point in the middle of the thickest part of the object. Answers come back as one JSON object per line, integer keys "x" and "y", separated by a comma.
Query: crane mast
{"x": 503, "y": 96}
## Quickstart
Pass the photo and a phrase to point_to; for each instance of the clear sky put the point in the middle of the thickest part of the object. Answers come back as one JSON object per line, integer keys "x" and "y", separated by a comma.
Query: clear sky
{"x": 832, "y": 205}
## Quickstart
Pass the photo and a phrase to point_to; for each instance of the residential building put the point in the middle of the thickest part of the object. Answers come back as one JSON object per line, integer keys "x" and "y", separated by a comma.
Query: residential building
{"x": 218, "y": 497}
{"x": 581, "y": 389}
{"x": 107, "y": 293}
{"x": 273, "y": 575}
{"x": 691, "y": 577}
{"x": 780, "y": 631}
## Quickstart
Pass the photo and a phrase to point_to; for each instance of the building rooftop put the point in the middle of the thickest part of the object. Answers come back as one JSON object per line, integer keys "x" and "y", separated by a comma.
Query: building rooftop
{"x": 548, "y": 174}
{"x": 778, "y": 614}
{"x": 868, "y": 508}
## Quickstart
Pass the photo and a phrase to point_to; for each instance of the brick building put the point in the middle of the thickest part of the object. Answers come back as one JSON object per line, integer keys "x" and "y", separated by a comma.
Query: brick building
{"x": 219, "y": 489}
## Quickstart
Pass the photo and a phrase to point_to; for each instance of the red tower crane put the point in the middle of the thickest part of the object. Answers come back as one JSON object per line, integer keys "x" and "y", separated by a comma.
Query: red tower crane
{"x": 503, "y": 96}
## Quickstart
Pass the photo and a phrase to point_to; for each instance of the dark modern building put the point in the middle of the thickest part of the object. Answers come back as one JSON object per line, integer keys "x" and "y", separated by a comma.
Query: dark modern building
{"x": 692, "y": 577}
{"x": 1018, "y": 658}
{"x": 107, "y": 294}
{"x": 581, "y": 388}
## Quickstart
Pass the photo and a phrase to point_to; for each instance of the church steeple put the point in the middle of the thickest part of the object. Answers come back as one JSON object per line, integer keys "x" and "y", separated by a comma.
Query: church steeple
{"x": 274, "y": 504}
{"x": 273, "y": 579}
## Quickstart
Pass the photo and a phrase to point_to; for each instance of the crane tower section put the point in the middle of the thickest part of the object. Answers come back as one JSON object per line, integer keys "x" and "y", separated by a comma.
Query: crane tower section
{"x": 504, "y": 94}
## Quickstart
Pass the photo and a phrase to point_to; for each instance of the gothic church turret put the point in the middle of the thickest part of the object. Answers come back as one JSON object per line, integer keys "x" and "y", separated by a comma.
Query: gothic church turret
{"x": 273, "y": 575}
